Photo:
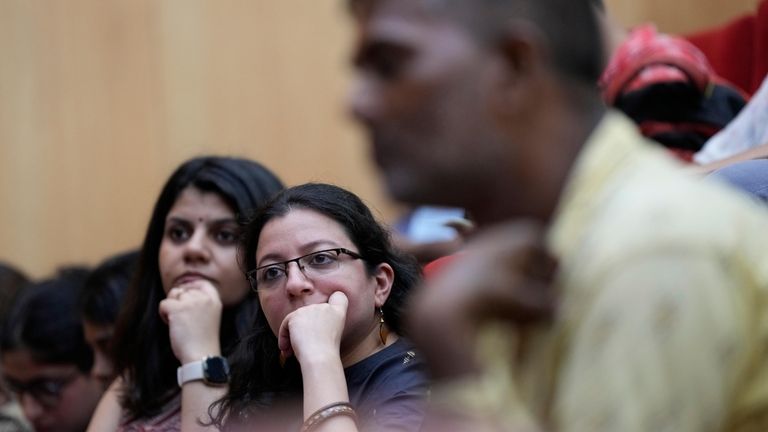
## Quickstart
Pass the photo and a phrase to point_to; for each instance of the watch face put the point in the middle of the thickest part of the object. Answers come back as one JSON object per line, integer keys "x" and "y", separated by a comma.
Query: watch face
{"x": 216, "y": 370}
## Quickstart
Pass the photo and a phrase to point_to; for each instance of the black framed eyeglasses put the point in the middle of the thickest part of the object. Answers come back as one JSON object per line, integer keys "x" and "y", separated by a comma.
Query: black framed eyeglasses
{"x": 46, "y": 391}
{"x": 312, "y": 265}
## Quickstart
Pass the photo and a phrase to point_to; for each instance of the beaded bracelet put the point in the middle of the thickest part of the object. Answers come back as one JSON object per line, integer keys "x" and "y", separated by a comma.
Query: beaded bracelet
{"x": 326, "y": 412}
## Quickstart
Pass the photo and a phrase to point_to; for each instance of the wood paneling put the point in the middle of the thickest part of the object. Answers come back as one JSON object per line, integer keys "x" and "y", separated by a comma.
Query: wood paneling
{"x": 101, "y": 99}
{"x": 679, "y": 16}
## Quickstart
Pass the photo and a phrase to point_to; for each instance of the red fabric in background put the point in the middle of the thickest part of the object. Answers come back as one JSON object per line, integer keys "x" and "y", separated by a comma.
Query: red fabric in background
{"x": 738, "y": 50}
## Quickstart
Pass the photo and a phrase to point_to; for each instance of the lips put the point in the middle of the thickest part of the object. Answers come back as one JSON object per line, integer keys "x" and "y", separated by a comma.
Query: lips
{"x": 189, "y": 277}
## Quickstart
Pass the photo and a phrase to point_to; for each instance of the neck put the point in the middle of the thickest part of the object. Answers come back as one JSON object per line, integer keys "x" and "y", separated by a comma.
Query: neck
{"x": 538, "y": 172}
{"x": 366, "y": 347}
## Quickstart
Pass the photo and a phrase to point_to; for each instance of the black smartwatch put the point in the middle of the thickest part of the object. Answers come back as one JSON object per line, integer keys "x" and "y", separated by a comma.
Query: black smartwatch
{"x": 211, "y": 370}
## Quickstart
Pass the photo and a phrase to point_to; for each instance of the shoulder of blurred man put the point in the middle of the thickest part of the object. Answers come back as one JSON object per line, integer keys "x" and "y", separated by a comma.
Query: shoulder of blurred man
{"x": 664, "y": 283}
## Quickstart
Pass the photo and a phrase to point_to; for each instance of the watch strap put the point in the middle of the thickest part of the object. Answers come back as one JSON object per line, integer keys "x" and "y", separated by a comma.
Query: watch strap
{"x": 192, "y": 371}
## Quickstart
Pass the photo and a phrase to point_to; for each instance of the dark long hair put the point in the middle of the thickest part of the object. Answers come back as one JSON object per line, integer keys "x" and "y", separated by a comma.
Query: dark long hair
{"x": 258, "y": 379}
{"x": 142, "y": 349}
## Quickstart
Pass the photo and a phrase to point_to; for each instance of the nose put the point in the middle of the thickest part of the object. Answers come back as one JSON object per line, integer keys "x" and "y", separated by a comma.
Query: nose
{"x": 361, "y": 100}
{"x": 297, "y": 283}
{"x": 196, "y": 248}
{"x": 30, "y": 406}
{"x": 102, "y": 368}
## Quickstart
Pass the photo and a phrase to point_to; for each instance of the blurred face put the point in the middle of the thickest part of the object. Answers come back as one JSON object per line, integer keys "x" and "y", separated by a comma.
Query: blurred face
{"x": 54, "y": 397}
{"x": 99, "y": 337}
{"x": 302, "y": 232}
{"x": 200, "y": 242}
{"x": 423, "y": 89}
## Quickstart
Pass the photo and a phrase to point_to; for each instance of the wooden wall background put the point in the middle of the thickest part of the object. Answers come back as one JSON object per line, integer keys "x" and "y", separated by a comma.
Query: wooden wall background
{"x": 101, "y": 99}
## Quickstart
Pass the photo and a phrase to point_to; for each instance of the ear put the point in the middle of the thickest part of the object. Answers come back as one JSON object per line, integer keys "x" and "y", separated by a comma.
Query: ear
{"x": 520, "y": 49}
{"x": 384, "y": 276}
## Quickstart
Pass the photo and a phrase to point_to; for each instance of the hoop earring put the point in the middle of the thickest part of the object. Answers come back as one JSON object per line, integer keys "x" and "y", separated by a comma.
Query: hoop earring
{"x": 383, "y": 331}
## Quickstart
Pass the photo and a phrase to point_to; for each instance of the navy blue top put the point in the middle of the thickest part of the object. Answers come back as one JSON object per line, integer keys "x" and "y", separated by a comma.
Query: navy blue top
{"x": 389, "y": 389}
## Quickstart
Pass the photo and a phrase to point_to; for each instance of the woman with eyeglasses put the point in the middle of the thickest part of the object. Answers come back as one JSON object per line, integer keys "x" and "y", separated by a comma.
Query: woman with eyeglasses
{"x": 188, "y": 302}
{"x": 327, "y": 335}
{"x": 46, "y": 361}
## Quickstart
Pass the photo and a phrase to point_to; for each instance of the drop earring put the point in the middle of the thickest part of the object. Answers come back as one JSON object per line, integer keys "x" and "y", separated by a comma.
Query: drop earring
{"x": 383, "y": 331}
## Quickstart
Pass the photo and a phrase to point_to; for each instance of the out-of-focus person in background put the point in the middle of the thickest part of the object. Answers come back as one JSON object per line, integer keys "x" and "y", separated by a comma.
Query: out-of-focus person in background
{"x": 607, "y": 288}
{"x": 46, "y": 362}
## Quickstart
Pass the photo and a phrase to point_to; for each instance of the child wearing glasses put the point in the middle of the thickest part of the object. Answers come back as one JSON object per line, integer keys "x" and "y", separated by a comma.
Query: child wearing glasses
{"x": 46, "y": 362}
{"x": 188, "y": 302}
{"x": 326, "y": 350}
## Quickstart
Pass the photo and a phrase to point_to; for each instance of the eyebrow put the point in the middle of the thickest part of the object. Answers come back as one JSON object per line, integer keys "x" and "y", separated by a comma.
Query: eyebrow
{"x": 307, "y": 248}
{"x": 179, "y": 219}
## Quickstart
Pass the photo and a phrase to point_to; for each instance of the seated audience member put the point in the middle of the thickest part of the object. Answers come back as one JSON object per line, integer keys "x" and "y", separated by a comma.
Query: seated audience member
{"x": 608, "y": 289}
{"x": 188, "y": 302}
{"x": 100, "y": 303}
{"x": 328, "y": 333}
{"x": 11, "y": 282}
{"x": 45, "y": 359}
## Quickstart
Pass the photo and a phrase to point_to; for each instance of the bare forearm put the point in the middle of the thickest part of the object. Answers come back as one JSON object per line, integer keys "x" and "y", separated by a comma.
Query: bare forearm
{"x": 325, "y": 384}
{"x": 196, "y": 398}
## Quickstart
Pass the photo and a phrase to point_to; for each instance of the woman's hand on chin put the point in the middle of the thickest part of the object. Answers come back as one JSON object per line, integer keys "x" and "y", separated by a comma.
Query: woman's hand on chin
{"x": 193, "y": 313}
{"x": 313, "y": 332}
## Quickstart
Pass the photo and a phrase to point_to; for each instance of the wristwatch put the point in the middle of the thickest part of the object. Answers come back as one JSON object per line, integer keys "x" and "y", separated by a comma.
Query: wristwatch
{"x": 212, "y": 370}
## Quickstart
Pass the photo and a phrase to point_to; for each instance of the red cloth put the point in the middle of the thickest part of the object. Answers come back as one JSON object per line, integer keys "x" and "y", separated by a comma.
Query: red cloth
{"x": 738, "y": 50}
{"x": 647, "y": 57}
{"x": 667, "y": 86}
{"x": 437, "y": 266}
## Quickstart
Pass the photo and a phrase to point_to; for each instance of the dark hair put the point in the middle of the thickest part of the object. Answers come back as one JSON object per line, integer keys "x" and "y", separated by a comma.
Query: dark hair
{"x": 143, "y": 353}
{"x": 12, "y": 280}
{"x": 569, "y": 27}
{"x": 258, "y": 380}
{"x": 105, "y": 287}
{"x": 44, "y": 321}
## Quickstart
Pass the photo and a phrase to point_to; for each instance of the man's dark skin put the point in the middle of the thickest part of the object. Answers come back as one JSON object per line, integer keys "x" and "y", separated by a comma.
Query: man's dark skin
{"x": 469, "y": 104}
{"x": 460, "y": 109}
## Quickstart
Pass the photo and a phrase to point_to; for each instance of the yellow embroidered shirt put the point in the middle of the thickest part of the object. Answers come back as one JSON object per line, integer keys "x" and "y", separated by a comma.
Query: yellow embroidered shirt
{"x": 663, "y": 324}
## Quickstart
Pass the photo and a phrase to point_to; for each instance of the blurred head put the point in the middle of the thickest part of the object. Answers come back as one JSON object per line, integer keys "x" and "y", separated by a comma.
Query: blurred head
{"x": 449, "y": 89}
{"x": 192, "y": 233}
{"x": 100, "y": 302}
{"x": 46, "y": 361}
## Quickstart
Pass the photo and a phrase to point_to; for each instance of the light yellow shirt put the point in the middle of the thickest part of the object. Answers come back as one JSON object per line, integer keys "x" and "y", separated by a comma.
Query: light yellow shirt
{"x": 663, "y": 324}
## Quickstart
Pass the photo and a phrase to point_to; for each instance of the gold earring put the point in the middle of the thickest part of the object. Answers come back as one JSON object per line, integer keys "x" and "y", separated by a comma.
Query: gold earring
{"x": 383, "y": 331}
